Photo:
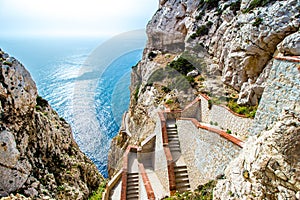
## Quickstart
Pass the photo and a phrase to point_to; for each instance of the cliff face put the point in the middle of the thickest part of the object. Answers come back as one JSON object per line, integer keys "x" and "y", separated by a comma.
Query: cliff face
{"x": 39, "y": 157}
{"x": 240, "y": 37}
{"x": 237, "y": 42}
{"x": 269, "y": 165}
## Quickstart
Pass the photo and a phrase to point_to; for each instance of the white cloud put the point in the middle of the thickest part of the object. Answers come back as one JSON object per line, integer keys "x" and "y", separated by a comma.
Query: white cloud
{"x": 74, "y": 16}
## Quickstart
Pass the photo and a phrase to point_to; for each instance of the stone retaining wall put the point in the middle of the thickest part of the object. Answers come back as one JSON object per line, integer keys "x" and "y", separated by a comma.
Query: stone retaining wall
{"x": 205, "y": 153}
{"x": 282, "y": 93}
{"x": 160, "y": 164}
{"x": 224, "y": 118}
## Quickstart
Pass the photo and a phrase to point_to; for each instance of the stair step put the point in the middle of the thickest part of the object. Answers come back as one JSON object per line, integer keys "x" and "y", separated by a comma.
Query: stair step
{"x": 133, "y": 178}
{"x": 182, "y": 180}
{"x": 181, "y": 167}
{"x": 132, "y": 174}
{"x": 134, "y": 183}
{"x": 181, "y": 190}
{"x": 183, "y": 185}
{"x": 180, "y": 171}
{"x": 132, "y": 196}
{"x": 172, "y": 131}
{"x": 132, "y": 190}
{"x": 174, "y": 144}
{"x": 173, "y": 140}
{"x": 173, "y": 137}
{"x": 182, "y": 175}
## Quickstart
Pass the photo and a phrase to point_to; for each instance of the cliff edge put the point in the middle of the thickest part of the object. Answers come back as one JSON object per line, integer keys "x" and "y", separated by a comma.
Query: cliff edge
{"x": 39, "y": 157}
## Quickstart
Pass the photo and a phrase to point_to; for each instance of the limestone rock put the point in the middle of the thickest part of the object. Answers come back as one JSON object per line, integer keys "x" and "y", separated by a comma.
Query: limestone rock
{"x": 272, "y": 161}
{"x": 39, "y": 157}
{"x": 168, "y": 28}
{"x": 290, "y": 46}
{"x": 241, "y": 44}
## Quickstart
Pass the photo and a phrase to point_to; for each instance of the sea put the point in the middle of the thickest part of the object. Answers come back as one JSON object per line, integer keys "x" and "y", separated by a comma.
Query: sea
{"x": 91, "y": 96}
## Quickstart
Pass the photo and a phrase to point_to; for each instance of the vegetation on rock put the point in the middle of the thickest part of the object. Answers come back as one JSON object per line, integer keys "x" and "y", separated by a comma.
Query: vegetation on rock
{"x": 203, "y": 192}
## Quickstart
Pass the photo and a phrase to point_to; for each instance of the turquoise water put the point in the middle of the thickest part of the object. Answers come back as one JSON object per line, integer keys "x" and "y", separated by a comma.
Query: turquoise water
{"x": 57, "y": 66}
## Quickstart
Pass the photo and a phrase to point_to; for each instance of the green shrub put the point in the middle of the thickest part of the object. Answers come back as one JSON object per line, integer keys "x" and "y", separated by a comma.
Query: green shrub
{"x": 169, "y": 101}
{"x": 201, "y": 79}
{"x": 182, "y": 65}
{"x": 235, "y": 6}
{"x": 202, "y": 30}
{"x": 209, "y": 24}
{"x": 242, "y": 110}
{"x": 166, "y": 89}
{"x": 61, "y": 188}
{"x": 212, "y": 3}
{"x": 248, "y": 111}
{"x": 190, "y": 79}
{"x": 200, "y": 15}
{"x": 152, "y": 55}
{"x": 210, "y": 104}
{"x": 41, "y": 102}
{"x": 216, "y": 123}
{"x": 62, "y": 119}
{"x": 97, "y": 195}
{"x": 228, "y": 131}
{"x": 136, "y": 93}
{"x": 257, "y": 22}
{"x": 256, "y": 3}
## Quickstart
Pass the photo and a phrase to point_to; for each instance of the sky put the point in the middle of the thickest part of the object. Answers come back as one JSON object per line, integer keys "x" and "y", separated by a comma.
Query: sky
{"x": 21, "y": 18}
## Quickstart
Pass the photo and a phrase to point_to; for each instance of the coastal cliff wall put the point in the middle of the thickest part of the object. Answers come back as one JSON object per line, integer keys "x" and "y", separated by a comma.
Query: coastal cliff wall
{"x": 268, "y": 167}
{"x": 235, "y": 41}
{"x": 39, "y": 157}
{"x": 239, "y": 36}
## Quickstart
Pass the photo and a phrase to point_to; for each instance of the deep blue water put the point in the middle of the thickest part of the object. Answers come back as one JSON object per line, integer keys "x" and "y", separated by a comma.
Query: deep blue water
{"x": 57, "y": 65}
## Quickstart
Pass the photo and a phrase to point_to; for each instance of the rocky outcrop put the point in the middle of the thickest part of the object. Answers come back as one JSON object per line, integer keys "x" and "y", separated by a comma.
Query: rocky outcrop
{"x": 290, "y": 46}
{"x": 39, "y": 157}
{"x": 268, "y": 167}
{"x": 240, "y": 36}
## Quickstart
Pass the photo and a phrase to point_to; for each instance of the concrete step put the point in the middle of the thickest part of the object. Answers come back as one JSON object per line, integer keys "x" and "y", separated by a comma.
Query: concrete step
{"x": 174, "y": 144}
{"x": 171, "y": 125}
{"x": 132, "y": 196}
{"x": 132, "y": 174}
{"x": 132, "y": 190}
{"x": 132, "y": 183}
{"x": 183, "y": 185}
{"x": 173, "y": 139}
{"x": 184, "y": 189}
{"x": 181, "y": 180}
{"x": 172, "y": 130}
{"x": 132, "y": 177}
{"x": 180, "y": 171}
{"x": 180, "y": 167}
{"x": 172, "y": 136}
{"x": 182, "y": 175}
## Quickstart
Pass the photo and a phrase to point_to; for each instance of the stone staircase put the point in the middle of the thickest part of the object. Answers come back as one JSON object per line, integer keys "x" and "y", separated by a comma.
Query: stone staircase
{"x": 182, "y": 178}
{"x": 173, "y": 139}
{"x": 132, "y": 186}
